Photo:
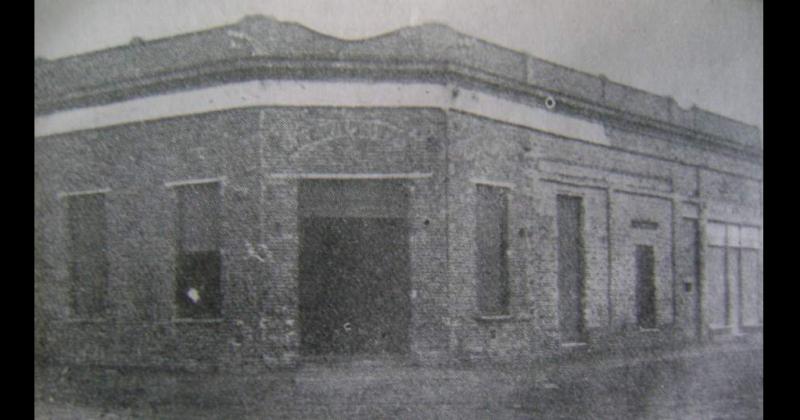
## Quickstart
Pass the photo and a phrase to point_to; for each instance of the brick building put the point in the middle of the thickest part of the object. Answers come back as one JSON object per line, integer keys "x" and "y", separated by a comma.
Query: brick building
{"x": 259, "y": 193}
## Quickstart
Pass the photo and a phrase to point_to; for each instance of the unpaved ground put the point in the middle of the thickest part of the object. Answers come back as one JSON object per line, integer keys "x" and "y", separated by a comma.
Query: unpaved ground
{"x": 699, "y": 384}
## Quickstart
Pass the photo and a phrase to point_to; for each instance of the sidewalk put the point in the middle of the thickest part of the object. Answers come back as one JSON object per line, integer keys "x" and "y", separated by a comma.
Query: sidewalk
{"x": 690, "y": 383}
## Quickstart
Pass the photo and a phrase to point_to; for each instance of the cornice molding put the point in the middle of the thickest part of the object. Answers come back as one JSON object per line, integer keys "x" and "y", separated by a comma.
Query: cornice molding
{"x": 259, "y": 48}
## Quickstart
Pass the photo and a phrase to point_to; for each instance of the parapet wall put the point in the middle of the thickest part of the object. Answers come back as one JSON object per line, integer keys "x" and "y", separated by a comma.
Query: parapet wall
{"x": 259, "y": 47}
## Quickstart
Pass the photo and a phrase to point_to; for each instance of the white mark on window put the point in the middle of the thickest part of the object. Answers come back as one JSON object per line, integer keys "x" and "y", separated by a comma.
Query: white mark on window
{"x": 193, "y": 294}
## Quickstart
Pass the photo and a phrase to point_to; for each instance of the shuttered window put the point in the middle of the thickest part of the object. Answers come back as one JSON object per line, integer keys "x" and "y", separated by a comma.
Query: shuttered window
{"x": 88, "y": 265}
{"x": 492, "y": 240}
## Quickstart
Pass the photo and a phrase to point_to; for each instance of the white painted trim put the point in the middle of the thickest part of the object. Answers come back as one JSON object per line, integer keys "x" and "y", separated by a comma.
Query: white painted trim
{"x": 501, "y": 184}
{"x": 410, "y": 175}
{"x": 741, "y": 224}
{"x": 649, "y": 330}
{"x": 172, "y": 184}
{"x": 197, "y": 320}
{"x": 720, "y": 328}
{"x": 318, "y": 93}
{"x": 494, "y": 318}
{"x": 99, "y": 320}
{"x": 62, "y": 195}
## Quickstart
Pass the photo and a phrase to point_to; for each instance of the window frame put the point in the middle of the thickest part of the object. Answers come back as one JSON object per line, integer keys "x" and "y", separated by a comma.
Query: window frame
{"x": 505, "y": 294}
{"x": 216, "y": 315}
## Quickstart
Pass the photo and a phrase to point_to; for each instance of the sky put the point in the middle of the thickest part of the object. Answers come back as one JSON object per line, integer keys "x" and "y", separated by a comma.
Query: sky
{"x": 707, "y": 53}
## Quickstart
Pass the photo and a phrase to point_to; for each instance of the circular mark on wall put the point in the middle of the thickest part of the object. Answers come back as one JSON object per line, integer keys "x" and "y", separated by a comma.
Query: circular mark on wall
{"x": 426, "y": 222}
{"x": 550, "y": 102}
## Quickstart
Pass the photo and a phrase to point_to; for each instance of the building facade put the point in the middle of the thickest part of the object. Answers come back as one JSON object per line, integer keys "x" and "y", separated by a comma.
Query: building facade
{"x": 258, "y": 194}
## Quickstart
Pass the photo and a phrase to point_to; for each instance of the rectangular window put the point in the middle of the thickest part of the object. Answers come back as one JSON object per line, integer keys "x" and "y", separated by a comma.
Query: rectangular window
{"x": 88, "y": 265}
{"x": 715, "y": 233}
{"x": 492, "y": 238}
{"x": 198, "y": 269}
{"x": 645, "y": 287}
{"x": 751, "y": 238}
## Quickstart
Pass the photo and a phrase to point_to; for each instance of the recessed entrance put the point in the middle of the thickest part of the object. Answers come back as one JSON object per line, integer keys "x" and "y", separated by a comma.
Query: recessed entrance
{"x": 353, "y": 268}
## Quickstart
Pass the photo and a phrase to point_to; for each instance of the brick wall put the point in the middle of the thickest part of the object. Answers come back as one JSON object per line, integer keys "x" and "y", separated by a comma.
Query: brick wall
{"x": 481, "y": 152}
{"x": 627, "y": 208}
{"x": 376, "y": 141}
{"x": 134, "y": 162}
{"x": 260, "y": 154}
{"x": 250, "y": 151}
{"x": 620, "y": 184}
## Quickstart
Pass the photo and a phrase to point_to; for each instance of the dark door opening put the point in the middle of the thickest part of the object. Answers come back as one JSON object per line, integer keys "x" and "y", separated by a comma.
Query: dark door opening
{"x": 570, "y": 268}
{"x": 645, "y": 287}
{"x": 691, "y": 251}
{"x": 354, "y": 285}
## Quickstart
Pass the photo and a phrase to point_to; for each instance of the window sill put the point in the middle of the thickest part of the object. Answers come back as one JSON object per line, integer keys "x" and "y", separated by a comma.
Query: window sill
{"x": 85, "y": 320}
{"x": 721, "y": 329}
{"x": 493, "y": 318}
{"x": 752, "y": 328}
{"x": 741, "y": 331}
{"x": 649, "y": 330}
{"x": 573, "y": 345}
{"x": 197, "y": 320}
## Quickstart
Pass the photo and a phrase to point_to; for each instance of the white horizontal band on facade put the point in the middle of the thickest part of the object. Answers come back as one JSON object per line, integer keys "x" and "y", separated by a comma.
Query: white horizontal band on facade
{"x": 411, "y": 175}
{"x": 317, "y": 93}
{"x": 84, "y": 192}
{"x": 172, "y": 184}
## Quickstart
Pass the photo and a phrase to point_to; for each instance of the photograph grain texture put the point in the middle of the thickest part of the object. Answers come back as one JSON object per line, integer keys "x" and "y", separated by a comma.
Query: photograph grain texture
{"x": 420, "y": 209}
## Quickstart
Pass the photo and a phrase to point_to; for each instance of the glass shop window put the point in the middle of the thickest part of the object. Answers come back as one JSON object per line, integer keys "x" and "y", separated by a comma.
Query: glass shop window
{"x": 734, "y": 276}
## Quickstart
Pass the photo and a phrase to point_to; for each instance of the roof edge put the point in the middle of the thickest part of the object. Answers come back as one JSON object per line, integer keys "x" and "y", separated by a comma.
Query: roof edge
{"x": 262, "y": 37}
